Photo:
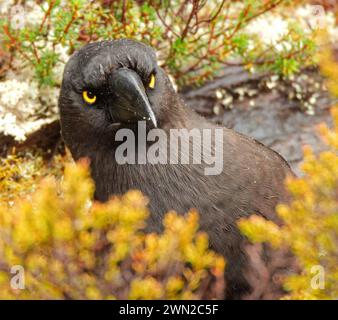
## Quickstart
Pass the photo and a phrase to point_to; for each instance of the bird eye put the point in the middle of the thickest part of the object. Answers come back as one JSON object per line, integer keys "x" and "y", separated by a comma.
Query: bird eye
{"x": 152, "y": 82}
{"x": 89, "y": 97}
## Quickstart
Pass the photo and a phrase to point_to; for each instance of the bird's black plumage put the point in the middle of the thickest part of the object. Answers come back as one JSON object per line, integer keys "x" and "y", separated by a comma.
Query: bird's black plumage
{"x": 252, "y": 180}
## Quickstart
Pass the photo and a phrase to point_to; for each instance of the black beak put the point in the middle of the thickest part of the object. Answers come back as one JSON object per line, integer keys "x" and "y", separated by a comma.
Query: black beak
{"x": 131, "y": 103}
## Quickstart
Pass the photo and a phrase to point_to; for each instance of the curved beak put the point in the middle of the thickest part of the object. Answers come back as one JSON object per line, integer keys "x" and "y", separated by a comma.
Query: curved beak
{"x": 131, "y": 103}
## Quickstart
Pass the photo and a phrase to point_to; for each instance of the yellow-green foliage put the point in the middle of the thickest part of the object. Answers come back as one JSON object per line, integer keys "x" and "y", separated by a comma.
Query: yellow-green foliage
{"x": 311, "y": 219}
{"x": 310, "y": 222}
{"x": 329, "y": 68}
{"x": 19, "y": 175}
{"x": 74, "y": 248}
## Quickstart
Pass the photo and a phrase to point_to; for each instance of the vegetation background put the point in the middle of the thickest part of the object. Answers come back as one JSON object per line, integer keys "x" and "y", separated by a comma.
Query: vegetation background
{"x": 227, "y": 58}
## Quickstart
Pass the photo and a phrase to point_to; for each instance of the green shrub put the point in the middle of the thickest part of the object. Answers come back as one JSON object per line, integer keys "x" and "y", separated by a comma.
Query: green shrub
{"x": 193, "y": 38}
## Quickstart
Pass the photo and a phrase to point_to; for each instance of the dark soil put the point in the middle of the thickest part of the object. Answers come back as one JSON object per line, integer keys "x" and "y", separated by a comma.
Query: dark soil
{"x": 274, "y": 119}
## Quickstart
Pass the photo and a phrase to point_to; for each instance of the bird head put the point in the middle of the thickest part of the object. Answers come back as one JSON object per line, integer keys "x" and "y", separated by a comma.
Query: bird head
{"x": 109, "y": 85}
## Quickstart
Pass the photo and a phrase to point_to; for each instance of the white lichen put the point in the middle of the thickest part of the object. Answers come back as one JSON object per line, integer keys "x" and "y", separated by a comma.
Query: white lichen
{"x": 25, "y": 106}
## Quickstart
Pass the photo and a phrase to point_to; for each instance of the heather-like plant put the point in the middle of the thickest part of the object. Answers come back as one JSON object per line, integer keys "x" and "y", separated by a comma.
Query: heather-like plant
{"x": 310, "y": 220}
{"x": 20, "y": 174}
{"x": 70, "y": 247}
{"x": 194, "y": 39}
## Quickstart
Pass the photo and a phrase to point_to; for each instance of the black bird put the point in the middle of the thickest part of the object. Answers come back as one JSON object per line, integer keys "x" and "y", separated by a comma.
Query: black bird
{"x": 111, "y": 85}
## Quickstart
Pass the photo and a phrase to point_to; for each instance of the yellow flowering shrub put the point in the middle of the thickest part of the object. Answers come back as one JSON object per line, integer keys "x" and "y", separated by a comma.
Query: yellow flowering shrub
{"x": 310, "y": 226}
{"x": 329, "y": 68}
{"x": 71, "y": 247}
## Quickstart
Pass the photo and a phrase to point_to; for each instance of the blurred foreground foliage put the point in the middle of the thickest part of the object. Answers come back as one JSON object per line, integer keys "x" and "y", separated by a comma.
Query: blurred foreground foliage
{"x": 73, "y": 248}
{"x": 311, "y": 218}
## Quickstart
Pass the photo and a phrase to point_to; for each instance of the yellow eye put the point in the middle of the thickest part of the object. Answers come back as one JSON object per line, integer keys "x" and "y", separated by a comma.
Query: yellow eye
{"x": 89, "y": 97}
{"x": 152, "y": 82}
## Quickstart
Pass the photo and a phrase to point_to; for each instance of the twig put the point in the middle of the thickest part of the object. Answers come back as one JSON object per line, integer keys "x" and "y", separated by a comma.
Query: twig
{"x": 47, "y": 14}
